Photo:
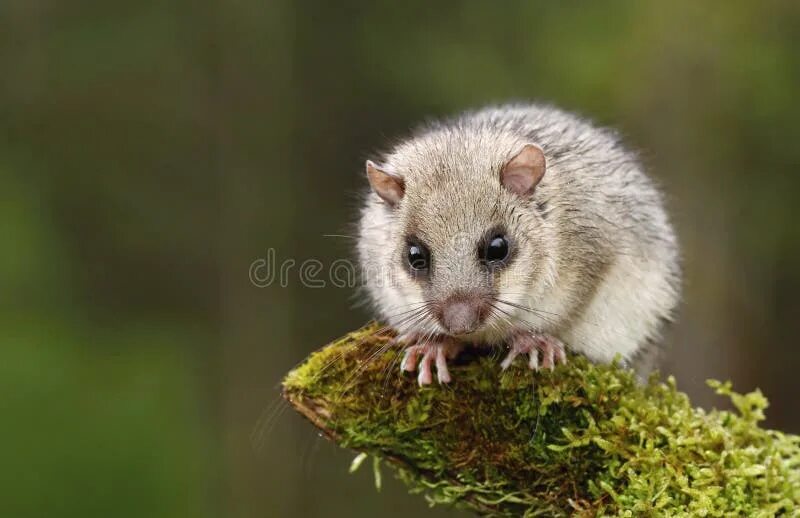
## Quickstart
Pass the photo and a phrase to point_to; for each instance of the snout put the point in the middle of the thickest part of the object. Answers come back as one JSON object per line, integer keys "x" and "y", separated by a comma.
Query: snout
{"x": 462, "y": 314}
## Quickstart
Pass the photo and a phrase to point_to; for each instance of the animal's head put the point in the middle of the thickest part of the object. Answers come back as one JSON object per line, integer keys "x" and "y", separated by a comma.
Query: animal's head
{"x": 468, "y": 235}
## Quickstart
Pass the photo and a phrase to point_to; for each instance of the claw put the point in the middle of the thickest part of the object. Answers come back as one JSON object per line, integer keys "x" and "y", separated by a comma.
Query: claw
{"x": 442, "y": 374}
{"x": 425, "y": 377}
{"x": 510, "y": 357}
{"x": 532, "y": 344}
{"x": 561, "y": 354}
{"x": 409, "y": 363}
{"x": 431, "y": 353}
{"x": 533, "y": 360}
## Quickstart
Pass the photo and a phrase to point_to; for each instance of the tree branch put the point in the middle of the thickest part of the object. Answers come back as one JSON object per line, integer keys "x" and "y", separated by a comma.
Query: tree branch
{"x": 582, "y": 440}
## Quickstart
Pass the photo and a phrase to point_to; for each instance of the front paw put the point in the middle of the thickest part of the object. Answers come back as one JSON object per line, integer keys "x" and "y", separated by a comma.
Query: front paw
{"x": 533, "y": 344}
{"x": 436, "y": 351}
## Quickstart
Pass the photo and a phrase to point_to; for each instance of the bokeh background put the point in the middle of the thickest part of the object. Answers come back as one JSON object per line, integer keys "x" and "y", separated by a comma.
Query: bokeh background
{"x": 151, "y": 151}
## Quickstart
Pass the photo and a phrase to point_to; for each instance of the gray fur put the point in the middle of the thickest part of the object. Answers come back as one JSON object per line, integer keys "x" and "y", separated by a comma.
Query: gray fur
{"x": 596, "y": 258}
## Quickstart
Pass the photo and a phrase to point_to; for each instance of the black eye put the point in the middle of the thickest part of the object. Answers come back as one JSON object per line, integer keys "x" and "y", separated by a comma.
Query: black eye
{"x": 419, "y": 257}
{"x": 496, "y": 249}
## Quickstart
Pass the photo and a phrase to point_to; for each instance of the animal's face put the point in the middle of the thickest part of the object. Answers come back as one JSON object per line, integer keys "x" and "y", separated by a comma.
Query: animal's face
{"x": 466, "y": 243}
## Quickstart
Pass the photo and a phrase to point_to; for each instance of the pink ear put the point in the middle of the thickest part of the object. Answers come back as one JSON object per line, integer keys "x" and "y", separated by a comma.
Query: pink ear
{"x": 389, "y": 187}
{"x": 523, "y": 172}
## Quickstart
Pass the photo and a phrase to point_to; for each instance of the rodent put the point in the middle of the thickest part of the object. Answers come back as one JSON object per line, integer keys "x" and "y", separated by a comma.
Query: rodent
{"x": 520, "y": 226}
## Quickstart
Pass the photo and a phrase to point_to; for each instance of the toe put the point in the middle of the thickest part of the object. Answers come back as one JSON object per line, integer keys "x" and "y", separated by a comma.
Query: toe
{"x": 442, "y": 374}
{"x": 533, "y": 360}
{"x": 561, "y": 356}
{"x": 425, "y": 377}
{"x": 547, "y": 358}
{"x": 509, "y": 359}
{"x": 409, "y": 363}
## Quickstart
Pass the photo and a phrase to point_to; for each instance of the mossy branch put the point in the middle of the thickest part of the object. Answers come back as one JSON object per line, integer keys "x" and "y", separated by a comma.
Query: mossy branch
{"x": 581, "y": 440}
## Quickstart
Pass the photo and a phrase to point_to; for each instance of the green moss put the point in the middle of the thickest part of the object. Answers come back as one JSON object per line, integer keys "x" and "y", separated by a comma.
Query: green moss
{"x": 582, "y": 440}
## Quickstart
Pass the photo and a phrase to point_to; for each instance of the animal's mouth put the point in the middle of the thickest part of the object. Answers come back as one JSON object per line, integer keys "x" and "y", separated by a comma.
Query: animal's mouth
{"x": 480, "y": 335}
{"x": 464, "y": 337}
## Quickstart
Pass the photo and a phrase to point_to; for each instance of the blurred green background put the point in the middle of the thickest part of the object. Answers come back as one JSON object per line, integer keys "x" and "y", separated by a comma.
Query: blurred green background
{"x": 151, "y": 151}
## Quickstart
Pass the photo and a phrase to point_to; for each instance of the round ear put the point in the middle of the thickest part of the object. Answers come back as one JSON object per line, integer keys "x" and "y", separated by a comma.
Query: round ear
{"x": 522, "y": 173}
{"x": 390, "y": 187}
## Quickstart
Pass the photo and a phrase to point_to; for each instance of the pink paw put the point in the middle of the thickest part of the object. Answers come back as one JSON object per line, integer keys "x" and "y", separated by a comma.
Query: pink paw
{"x": 532, "y": 344}
{"x": 436, "y": 351}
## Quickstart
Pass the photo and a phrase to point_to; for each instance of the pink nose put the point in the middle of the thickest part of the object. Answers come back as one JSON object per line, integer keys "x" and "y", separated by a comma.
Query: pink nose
{"x": 461, "y": 316}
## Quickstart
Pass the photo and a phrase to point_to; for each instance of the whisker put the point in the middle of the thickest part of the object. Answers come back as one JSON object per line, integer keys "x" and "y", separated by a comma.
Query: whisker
{"x": 266, "y": 422}
{"x": 585, "y": 343}
{"x": 541, "y": 314}
{"x": 415, "y": 317}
